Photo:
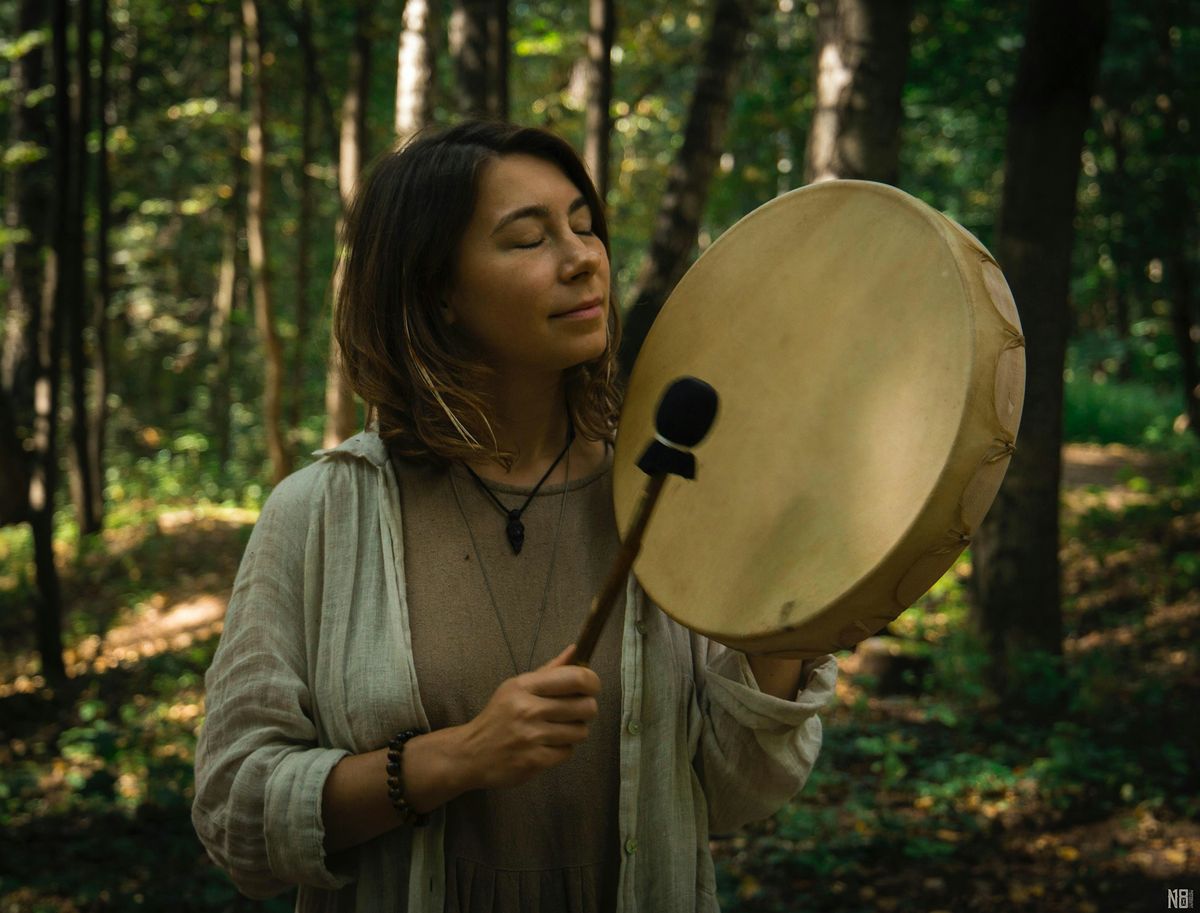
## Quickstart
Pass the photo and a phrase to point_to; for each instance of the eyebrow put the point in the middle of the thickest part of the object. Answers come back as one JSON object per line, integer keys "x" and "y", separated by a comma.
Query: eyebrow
{"x": 543, "y": 212}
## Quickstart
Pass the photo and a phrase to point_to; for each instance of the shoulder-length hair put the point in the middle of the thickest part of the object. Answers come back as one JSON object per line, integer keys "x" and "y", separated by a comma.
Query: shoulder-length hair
{"x": 400, "y": 244}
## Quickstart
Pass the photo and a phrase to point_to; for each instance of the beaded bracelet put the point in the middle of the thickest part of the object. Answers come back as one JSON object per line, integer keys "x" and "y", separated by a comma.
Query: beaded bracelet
{"x": 395, "y": 771}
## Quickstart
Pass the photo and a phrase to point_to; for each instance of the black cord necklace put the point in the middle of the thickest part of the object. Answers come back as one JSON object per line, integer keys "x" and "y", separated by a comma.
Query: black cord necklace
{"x": 515, "y": 529}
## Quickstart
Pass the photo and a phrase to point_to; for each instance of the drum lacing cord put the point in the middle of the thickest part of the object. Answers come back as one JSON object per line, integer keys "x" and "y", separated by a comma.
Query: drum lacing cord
{"x": 1006, "y": 448}
{"x": 956, "y": 540}
{"x": 1016, "y": 340}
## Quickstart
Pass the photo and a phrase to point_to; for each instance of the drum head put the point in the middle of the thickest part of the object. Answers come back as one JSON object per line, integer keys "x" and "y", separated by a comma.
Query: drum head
{"x": 837, "y": 324}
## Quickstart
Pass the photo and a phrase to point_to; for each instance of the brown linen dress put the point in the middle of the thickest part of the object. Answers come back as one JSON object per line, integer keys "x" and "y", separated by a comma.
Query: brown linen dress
{"x": 552, "y": 843}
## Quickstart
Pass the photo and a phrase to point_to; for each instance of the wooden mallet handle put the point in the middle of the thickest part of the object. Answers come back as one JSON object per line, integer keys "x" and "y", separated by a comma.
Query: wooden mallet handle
{"x": 603, "y": 603}
{"x": 684, "y": 415}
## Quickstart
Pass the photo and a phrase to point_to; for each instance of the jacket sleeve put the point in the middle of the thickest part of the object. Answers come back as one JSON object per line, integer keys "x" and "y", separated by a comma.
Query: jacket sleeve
{"x": 754, "y": 751}
{"x": 259, "y": 772}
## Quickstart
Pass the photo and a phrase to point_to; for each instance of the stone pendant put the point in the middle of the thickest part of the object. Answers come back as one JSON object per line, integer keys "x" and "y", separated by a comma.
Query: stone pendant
{"x": 515, "y": 531}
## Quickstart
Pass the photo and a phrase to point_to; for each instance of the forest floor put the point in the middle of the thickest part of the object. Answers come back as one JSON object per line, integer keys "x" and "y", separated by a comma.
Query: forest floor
{"x": 927, "y": 795}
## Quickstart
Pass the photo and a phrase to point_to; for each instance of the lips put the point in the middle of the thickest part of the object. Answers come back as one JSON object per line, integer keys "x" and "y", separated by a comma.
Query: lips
{"x": 590, "y": 303}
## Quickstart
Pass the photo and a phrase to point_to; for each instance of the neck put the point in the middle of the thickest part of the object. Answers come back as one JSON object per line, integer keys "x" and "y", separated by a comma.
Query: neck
{"x": 529, "y": 417}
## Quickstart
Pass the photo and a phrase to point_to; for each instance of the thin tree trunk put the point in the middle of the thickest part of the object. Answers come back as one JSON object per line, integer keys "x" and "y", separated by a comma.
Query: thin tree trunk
{"x": 1183, "y": 309}
{"x": 220, "y": 340}
{"x": 340, "y": 412}
{"x": 126, "y": 99}
{"x": 415, "y": 69}
{"x": 304, "y": 229}
{"x": 14, "y": 469}
{"x": 77, "y": 319}
{"x": 256, "y": 211}
{"x": 861, "y": 61}
{"x": 315, "y": 83}
{"x": 1016, "y": 577}
{"x": 682, "y": 207}
{"x": 44, "y": 475}
{"x": 415, "y": 58}
{"x": 1113, "y": 125}
{"x": 479, "y": 47}
{"x": 26, "y": 207}
{"x": 601, "y": 29}
{"x": 498, "y": 54}
{"x": 99, "y": 419}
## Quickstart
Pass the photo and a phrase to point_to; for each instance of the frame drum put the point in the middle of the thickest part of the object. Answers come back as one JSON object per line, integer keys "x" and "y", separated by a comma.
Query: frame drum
{"x": 870, "y": 366}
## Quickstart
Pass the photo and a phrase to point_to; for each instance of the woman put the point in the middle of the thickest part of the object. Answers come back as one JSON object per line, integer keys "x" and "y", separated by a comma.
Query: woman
{"x": 393, "y": 722}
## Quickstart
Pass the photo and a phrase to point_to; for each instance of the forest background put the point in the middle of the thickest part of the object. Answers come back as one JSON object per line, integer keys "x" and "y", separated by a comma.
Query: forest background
{"x": 174, "y": 175}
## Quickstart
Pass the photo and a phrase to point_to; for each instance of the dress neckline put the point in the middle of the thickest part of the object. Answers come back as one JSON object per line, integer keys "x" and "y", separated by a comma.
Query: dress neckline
{"x": 557, "y": 488}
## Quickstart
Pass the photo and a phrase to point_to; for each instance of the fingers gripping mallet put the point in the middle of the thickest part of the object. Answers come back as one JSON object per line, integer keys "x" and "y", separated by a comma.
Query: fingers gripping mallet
{"x": 684, "y": 416}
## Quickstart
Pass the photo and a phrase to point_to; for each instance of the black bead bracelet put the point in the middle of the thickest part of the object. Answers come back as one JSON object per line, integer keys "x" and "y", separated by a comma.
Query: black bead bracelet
{"x": 395, "y": 772}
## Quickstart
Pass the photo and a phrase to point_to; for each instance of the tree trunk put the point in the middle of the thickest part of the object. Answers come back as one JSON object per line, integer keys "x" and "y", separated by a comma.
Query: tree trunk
{"x": 27, "y": 204}
{"x": 341, "y": 415}
{"x": 678, "y": 221}
{"x": 1183, "y": 308}
{"x": 1113, "y": 125}
{"x": 256, "y": 211}
{"x": 861, "y": 60}
{"x": 498, "y": 54}
{"x": 44, "y": 472}
{"x": 14, "y": 470}
{"x": 415, "y": 60}
{"x": 126, "y": 99}
{"x": 315, "y": 83}
{"x": 479, "y": 47}
{"x": 304, "y": 229}
{"x": 601, "y": 29}
{"x": 77, "y": 319}
{"x": 98, "y": 422}
{"x": 220, "y": 342}
{"x": 1015, "y": 581}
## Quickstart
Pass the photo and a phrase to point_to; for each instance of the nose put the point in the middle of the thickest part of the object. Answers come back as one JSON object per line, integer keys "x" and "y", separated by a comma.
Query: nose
{"x": 582, "y": 258}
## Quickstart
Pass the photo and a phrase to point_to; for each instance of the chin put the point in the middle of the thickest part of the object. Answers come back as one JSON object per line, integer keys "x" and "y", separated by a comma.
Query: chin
{"x": 591, "y": 352}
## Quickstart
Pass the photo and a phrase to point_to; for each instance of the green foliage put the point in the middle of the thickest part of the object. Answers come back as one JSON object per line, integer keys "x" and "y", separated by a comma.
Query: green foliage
{"x": 1107, "y": 413}
{"x": 961, "y": 70}
{"x": 105, "y": 791}
{"x": 14, "y": 48}
{"x": 1125, "y": 390}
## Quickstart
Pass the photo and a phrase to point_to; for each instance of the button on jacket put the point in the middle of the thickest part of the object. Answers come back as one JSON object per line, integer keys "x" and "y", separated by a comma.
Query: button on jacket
{"x": 315, "y": 663}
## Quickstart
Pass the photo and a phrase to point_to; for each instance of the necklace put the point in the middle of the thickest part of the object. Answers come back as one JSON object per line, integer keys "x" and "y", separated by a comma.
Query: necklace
{"x": 549, "y": 575}
{"x": 515, "y": 529}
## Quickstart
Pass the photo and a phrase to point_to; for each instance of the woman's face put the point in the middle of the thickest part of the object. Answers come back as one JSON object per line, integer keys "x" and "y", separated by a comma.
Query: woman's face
{"x": 527, "y": 257}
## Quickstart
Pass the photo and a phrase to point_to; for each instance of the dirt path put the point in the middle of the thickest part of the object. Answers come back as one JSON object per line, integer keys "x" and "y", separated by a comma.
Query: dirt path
{"x": 1106, "y": 464}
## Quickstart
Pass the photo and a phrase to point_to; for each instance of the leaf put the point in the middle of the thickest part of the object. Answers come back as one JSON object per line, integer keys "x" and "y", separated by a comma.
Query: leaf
{"x": 749, "y": 887}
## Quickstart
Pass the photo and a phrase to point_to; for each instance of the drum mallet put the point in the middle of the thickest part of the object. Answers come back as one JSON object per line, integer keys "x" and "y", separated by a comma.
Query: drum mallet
{"x": 684, "y": 416}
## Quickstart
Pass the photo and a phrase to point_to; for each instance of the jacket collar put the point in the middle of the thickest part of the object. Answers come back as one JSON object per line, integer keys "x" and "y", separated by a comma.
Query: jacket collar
{"x": 366, "y": 445}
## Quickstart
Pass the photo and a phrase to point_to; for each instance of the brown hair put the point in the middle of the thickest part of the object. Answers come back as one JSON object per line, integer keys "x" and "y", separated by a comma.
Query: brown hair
{"x": 400, "y": 244}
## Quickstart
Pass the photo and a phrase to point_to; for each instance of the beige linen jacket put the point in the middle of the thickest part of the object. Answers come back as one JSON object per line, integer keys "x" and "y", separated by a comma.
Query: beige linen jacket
{"x": 315, "y": 663}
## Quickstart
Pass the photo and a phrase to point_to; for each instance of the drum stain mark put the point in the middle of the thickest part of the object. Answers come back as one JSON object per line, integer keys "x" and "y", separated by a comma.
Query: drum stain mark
{"x": 786, "y": 609}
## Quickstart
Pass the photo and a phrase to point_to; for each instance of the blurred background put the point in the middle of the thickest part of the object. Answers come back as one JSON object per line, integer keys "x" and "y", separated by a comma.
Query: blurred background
{"x": 174, "y": 173}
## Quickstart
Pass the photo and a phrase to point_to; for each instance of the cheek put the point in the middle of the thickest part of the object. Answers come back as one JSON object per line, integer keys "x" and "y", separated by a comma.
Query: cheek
{"x": 488, "y": 292}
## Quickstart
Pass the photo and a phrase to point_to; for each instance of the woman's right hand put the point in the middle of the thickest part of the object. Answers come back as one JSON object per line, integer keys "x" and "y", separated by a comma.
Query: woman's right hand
{"x": 531, "y": 723}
